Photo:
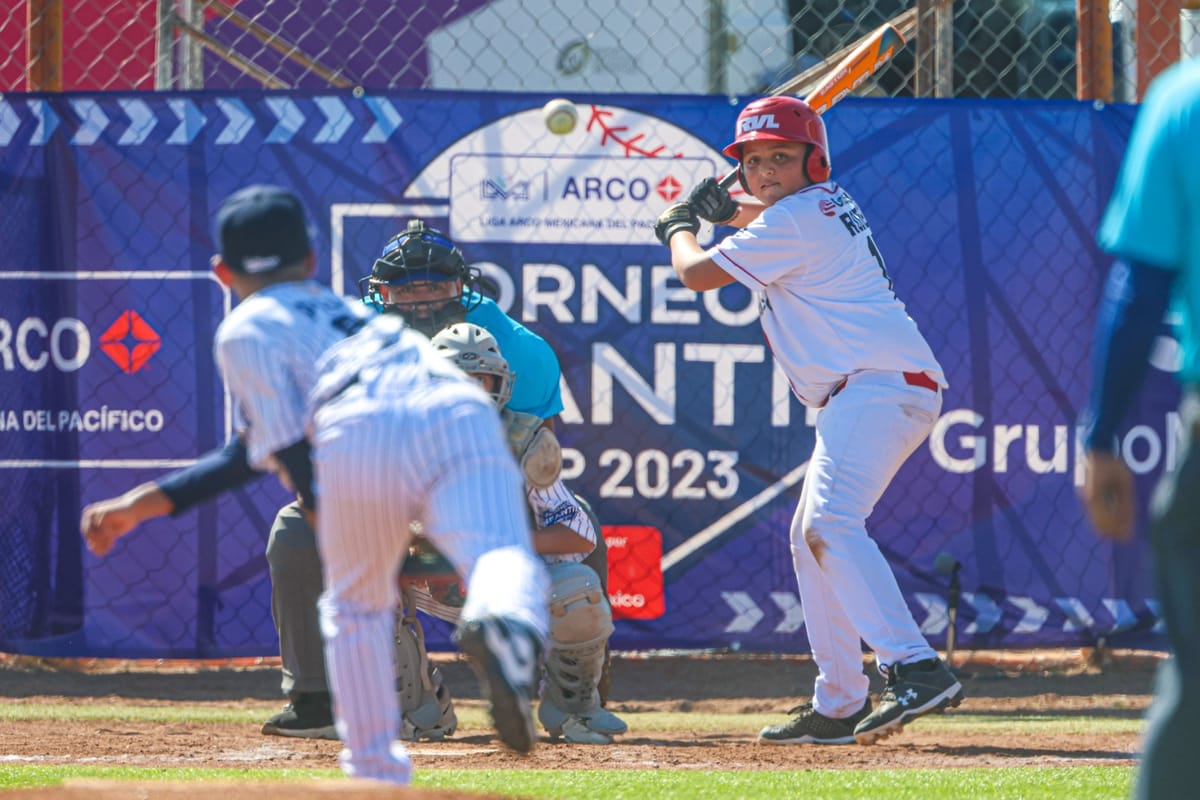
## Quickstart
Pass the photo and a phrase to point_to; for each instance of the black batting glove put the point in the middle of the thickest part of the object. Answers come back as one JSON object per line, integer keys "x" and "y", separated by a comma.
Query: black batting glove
{"x": 679, "y": 217}
{"x": 712, "y": 202}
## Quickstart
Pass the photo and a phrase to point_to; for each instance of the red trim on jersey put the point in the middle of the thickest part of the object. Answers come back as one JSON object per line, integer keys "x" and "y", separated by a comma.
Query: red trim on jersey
{"x": 738, "y": 266}
{"x": 833, "y": 188}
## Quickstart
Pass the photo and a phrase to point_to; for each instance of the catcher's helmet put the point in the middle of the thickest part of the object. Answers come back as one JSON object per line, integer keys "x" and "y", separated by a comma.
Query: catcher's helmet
{"x": 476, "y": 352}
{"x": 420, "y": 254}
{"x": 783, "y": 119}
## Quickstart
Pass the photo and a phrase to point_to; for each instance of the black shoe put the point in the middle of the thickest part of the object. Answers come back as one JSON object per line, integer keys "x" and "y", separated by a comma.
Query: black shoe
{"x": 912, "y": 690}
{"x": 506, "y": 656}
{"x": 810, "y": 726}
{"x": 308, "y": 716}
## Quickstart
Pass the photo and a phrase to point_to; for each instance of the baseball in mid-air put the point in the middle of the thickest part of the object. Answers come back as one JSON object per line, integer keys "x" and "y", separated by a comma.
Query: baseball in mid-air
{"x": 560, "y": 116}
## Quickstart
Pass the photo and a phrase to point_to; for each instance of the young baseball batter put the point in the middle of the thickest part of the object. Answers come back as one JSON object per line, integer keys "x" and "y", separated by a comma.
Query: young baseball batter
{"x": 835, "y": 325}
{"x": 396, "y": 436}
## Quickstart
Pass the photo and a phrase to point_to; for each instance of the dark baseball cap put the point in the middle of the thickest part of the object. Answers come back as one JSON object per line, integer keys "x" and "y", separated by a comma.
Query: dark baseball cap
{"x": 261, "y": 228}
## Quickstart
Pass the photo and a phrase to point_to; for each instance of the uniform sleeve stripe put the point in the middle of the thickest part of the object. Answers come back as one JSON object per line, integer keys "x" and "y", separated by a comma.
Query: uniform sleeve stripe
{"x": 725, "y": 257}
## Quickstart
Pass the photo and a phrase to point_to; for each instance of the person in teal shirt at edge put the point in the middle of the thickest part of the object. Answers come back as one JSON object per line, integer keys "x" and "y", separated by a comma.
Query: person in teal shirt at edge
{"x": 1152, "y": 229}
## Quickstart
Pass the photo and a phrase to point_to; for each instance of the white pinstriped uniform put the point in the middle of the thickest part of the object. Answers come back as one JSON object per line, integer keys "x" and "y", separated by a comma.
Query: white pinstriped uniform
{"x": 849, "y": 347}
{"x": 267, "y": 350}
{"x": 556, "y": 504}
{"x": 401, "y": 435}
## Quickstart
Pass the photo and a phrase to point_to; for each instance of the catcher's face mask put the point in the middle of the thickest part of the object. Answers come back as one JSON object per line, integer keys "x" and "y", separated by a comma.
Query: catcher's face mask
{"x": 425, "y": 305}
{"x": 422, "y": 276}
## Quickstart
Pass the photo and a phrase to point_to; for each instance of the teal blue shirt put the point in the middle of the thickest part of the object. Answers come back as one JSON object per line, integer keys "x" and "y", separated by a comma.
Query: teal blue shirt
{"x": 1153, "y": 217}
{"x": 536, "y": 385}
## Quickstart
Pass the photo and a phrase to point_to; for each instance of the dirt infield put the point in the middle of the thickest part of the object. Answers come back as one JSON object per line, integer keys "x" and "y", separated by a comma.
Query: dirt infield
{"x": 1058, "y": 684}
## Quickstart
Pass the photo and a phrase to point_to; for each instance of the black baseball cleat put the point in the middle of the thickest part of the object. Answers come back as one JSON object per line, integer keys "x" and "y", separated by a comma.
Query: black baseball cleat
{"x": 809, "y": 726}
{"x": 309, "y": 715}
{"x": 506, "y": 656}
{"x": 912, "y": 691}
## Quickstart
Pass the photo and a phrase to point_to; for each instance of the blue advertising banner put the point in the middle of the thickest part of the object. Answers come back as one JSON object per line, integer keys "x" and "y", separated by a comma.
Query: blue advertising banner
{"x": 678, "y": 427}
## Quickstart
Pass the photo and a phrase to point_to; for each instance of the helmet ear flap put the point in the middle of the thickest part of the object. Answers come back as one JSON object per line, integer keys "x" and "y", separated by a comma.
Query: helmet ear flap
{"x": 816, "y": 165}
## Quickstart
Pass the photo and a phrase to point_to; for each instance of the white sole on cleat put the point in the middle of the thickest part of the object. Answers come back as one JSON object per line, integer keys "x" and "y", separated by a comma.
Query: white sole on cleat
{"x": 937, "y": 706}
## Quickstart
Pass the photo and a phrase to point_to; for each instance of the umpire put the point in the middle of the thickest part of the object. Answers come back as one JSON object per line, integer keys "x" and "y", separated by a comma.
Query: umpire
{"x": 1152, "y": 228}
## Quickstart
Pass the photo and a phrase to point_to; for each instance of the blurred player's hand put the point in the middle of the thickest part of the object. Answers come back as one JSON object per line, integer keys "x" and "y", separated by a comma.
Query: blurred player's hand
{"x": 103, "y": 522}
{"x": 1108, "y": 495}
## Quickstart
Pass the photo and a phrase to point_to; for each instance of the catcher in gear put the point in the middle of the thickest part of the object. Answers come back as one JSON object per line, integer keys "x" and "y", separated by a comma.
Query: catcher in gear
{"x": 564, "y": 535}
{"x": 421, "y": 275}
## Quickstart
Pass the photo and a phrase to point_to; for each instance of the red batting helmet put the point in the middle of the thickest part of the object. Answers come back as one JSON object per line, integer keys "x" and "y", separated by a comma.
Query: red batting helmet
{"x": 783, "y": 119}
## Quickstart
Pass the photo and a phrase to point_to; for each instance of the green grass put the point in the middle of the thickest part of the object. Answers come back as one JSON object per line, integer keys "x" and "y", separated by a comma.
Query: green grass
{"x": 1025, "y": 783}
{"x": 1095, "y": 783}
{"x": 14, "y": 776}
{"x": 640, "y": 721}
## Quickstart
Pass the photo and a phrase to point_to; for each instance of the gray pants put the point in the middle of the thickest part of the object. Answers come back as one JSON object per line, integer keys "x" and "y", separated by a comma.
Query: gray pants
{"x": 1169, "y": 750}
{"x": 296, "y": 584}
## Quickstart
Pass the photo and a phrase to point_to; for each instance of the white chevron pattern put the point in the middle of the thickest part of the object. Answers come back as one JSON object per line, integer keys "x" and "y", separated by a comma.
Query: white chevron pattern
{"x": 227, "y": 120}
{"x": 985, "y": 614}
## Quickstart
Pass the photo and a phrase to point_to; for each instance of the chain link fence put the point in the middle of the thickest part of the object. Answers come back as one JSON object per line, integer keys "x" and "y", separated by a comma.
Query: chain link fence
{"x": 133, "y": 173}
{"x": 979, "y": 48}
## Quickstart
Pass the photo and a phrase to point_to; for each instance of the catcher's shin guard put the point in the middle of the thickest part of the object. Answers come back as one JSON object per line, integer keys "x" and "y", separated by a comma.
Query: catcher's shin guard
{"x": 427, "y": 711}
{"x": 598, "y": 561}
{"x": 580, "y": 624}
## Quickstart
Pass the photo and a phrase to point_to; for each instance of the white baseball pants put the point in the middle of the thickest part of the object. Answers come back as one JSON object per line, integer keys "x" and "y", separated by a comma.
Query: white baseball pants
{"x": 847, "y": 588}
{"x": 435, "y": 455}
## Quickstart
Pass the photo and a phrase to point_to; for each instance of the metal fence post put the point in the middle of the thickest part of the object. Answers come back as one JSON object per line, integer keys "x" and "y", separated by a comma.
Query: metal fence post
{"x": 191, "y": 53}
{"x": 1094, "y": 51}
{"x": 935, "y": 48}
{"x": 164, "y": 45}
{"x": 43, "y": 47}
{"x": 717, "y": 47}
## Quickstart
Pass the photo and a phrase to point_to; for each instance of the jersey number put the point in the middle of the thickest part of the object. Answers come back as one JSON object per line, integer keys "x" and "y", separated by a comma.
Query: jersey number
{"x": 879, "y": 259}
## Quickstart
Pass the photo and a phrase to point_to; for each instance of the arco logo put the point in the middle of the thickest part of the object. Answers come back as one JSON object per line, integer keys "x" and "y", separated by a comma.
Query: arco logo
{"x": 669, "y": 188}
{"x": 130, "y": 341}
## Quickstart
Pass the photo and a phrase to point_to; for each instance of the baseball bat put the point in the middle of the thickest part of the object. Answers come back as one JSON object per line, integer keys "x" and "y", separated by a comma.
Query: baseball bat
{"x": 863, "y": 60}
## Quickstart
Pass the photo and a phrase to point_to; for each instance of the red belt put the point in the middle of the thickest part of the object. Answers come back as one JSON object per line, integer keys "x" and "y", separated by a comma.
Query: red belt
{"x": 911, "y": 378}
{"x": 920, "y": 379}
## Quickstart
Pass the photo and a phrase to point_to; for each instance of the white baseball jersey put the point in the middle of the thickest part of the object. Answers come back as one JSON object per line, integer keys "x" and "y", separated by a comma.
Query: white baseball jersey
{"x": 267, "y": 351}
{"x": 401, "y": 435}
{"x": 827, "y": 306}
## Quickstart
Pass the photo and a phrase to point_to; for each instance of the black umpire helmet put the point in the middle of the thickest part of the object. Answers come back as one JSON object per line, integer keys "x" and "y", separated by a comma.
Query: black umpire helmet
{"x": 420, "y": 254}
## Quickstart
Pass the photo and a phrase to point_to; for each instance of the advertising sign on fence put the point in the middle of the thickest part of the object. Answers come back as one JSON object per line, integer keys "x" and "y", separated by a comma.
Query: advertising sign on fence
{"x": 678, "y": 427}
